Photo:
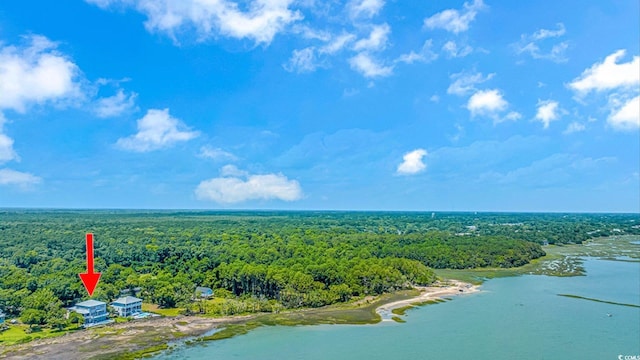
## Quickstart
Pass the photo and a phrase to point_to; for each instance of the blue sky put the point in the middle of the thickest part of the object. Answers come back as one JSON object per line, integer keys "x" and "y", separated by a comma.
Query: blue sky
{"x": 281, "y": 104}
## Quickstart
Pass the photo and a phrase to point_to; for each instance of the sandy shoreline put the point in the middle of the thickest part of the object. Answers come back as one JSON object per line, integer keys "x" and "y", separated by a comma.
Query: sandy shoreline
{"x": 107, "y": 341}
{"x": 118, "y": 338}
{"x": 427, "y": 293}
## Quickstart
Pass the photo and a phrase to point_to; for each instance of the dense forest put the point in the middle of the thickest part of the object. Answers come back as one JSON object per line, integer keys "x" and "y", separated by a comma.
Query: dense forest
{"x": 263, "y": 261}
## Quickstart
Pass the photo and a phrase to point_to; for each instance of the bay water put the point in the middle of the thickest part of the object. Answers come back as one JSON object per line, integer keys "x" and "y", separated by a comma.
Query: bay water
{"x": 511, "y": 318}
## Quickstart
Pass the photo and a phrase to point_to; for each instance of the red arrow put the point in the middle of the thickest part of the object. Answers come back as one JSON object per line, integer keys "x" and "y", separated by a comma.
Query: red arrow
{"x": 90, "y": 279}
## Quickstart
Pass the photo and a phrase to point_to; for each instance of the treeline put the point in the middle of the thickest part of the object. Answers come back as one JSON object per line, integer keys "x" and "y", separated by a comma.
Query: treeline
{"x": 272, "y": 260}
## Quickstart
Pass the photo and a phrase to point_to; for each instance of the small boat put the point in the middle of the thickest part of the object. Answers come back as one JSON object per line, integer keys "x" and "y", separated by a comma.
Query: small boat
{"x": 609, "y": 315}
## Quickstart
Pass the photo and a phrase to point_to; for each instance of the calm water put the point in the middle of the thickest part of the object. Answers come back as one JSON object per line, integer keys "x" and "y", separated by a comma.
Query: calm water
{"x": 512, "y": 318}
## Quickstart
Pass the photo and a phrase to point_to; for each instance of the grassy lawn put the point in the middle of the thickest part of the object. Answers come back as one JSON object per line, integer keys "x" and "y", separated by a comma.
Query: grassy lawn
{"x": 13, "y": 335}
{"x": 153, "y": 308}
{"x": 17, "y": 334}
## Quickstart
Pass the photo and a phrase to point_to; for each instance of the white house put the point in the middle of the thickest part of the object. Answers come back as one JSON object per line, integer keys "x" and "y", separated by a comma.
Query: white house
{"x": 93, "y": 311}
{"x": 127, "y": 306}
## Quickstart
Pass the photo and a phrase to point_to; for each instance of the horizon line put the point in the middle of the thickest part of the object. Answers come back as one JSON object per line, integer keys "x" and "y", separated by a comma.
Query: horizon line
{"x": 313, "y": 210}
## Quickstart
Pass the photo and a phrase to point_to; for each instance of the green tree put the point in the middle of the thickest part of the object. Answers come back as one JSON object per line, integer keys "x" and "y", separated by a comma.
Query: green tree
{"x": 33, "y": 317}
{"x": 75, "y": 318}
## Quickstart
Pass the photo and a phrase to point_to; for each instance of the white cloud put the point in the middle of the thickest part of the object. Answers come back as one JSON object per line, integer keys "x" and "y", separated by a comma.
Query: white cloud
{"x": 574, "y": 127}
{"x": 364, "y": 8}
{"x": 302, "y": 61}
{"x": 337, "y": 44}
{"x": 608, "y": 75}
{"x": 6, "y": 144}
{"x": 260, "y": 20}
{"x": 21, "y": 179}
{"x": 410, "y": 58}
{"x": 377, "y": 39}
{"x": 369, "y": 67}
{"x": 486, "y": 103}
{"x": 310, "y": 33}
{"x": 548, "y": 111}
{"x": 216, "y": 154}
{"x": 453, "y": 20}
{"x": 626, "y": 117}
{"x": 620, "y": 81}
{"x": 465, "y": 82}
{"x": 530, "y": 44}
{"x": 545, "y": 33}
{"x": 156, "y": 130}
{"x": 115, "y": 105}
{"x": 426, "y": 54}
{"x": 6, "y": 149}
{"x": 232, "y": 170}
{"x": 238, "y": 186}
{"x": 452, "y": 50}
{"x": 412, "y": 163}
{"x": 511, "y": 116}
{"x": 35, "y": 74}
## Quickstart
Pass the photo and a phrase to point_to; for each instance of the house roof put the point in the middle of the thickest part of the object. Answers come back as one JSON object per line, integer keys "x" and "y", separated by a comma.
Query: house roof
{"x": 203, "y": 289}
{"x": 125, "y": 300}
{"x": 79, "y": 310}
{"x": 90, "y": 303}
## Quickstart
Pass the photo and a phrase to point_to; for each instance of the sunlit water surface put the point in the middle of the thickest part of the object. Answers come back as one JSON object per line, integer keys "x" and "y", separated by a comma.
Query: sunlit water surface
{"x": 512, "y": 318}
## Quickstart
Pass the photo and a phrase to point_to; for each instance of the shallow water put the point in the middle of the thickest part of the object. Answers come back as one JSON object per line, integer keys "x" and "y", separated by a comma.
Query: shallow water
{"x": 512, "y": 318}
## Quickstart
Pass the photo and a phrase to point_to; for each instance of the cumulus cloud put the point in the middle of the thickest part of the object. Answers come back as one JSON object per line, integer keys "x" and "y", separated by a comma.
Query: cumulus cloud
{"x": 364, "y": 8}
{"x": 620, "y": 82}
{"x": 260, "y": 21}
{"x": 453, "y": 20}
{"x": 156, "y": 130}
{"x": 548, "y": 111}
{"x": 116, "y": 105}
{"x": 21, "y": 179}
{"x": 465, "y": 82}
{"x": 36, "y": 73}
{"x": 453, "y": 51}
{"x": 486, "y": 103}
{"x": 369, "y": 67}
{"x": 412, "y": 163}
{"x": 530, "y": 44}
{"x": 491, "y": 104}
{"x": 216, "y": 154}
{"x": 627, "y": 117}
{"x": 377, "y": 39}
{"x": 235, "y": 186}
{"x": 608, "y": 75}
